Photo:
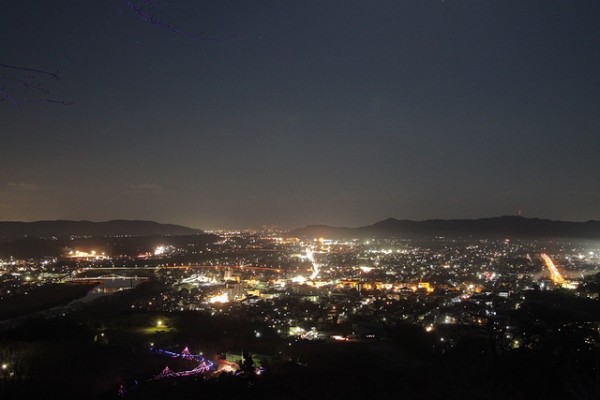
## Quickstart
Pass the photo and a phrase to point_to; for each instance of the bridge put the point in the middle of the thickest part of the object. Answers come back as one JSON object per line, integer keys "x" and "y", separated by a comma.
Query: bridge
{"x": 556, "y": 277}
{"x": 106, "y": 278}
{"x": 189, "y": 266}
{"x": 239, "y": 267}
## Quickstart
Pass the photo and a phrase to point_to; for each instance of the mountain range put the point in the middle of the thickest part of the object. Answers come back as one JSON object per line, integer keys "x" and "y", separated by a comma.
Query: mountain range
{"x": 58, "y": 228}
{"x": 505, "y": 226}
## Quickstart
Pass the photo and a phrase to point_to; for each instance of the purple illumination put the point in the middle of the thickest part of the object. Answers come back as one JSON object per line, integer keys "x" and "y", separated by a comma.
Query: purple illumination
{"x": 203, "y": 366}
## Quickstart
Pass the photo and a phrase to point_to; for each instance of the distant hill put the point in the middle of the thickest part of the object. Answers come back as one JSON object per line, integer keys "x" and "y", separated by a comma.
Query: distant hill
{"x": 44, "y": 229}
{"x": 115, "y": 246}
{"x": 506, "y": 226}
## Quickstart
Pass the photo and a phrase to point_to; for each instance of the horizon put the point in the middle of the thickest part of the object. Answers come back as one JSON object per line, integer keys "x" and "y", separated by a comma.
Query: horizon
{"x": 295, "y": 113}
{"x": 279, "y": 228}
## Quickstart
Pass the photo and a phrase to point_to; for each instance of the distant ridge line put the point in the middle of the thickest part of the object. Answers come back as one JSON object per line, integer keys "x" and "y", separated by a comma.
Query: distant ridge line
{"x": 115, "y": 227}
{"x": 504, "y": 226}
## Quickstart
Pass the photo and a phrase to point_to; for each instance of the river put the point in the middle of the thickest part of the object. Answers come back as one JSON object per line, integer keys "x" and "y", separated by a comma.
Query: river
{"x": 106, "y": 287}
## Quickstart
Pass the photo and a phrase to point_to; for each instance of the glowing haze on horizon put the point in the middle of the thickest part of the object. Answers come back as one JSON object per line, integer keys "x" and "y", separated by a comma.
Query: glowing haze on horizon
{"x": 237, "y": 114}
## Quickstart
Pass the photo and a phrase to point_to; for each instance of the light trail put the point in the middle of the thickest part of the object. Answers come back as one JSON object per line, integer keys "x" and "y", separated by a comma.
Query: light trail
{"x": 554, "y": 274}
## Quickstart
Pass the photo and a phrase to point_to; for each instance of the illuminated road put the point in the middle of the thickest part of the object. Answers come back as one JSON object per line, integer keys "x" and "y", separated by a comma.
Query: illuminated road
{"x": 241, "y": 267}
{"x": 554, "y": 274}
{"x": 192, "y": 266}
{"x": 106, "y": 278}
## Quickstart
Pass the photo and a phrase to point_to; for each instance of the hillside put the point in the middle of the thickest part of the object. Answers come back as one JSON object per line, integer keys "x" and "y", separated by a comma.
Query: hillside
{"x": 506, "y": 226}
{"x": 43, "y": 229}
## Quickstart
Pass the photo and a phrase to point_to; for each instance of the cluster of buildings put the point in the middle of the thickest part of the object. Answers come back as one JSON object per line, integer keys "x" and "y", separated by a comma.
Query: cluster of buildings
{"x": 353, "y": 289}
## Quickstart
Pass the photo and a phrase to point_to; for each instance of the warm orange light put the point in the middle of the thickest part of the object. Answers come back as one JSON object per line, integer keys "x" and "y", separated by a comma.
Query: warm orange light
{"x": 554, "y": 274}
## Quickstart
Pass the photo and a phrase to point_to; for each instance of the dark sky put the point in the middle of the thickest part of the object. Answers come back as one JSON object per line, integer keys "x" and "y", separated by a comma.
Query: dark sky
{"x": 297, "y": 112}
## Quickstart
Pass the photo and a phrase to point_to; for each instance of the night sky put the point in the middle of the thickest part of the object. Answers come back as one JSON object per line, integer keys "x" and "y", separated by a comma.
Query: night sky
{"x": 232, "y": 114}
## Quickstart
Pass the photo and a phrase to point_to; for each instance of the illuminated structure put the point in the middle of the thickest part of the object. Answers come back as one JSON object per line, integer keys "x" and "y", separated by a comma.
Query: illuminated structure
{"x": 84, "y": 255}
{"x": 554, "y": 274}
{"x": 204, "y": 365}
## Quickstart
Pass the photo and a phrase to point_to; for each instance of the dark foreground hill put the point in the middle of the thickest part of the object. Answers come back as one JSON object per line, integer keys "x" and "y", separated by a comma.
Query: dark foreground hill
{"x": 506, "y": 226}
{"x": 42, "y": 229}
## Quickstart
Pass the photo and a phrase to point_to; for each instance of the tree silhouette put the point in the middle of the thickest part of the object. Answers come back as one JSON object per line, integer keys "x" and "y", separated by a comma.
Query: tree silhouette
{"x": 24, "y": 84}
{"x": 147, "y": 11}
{"x": 247, "y": 364}
{"x": 25, "y": 80}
